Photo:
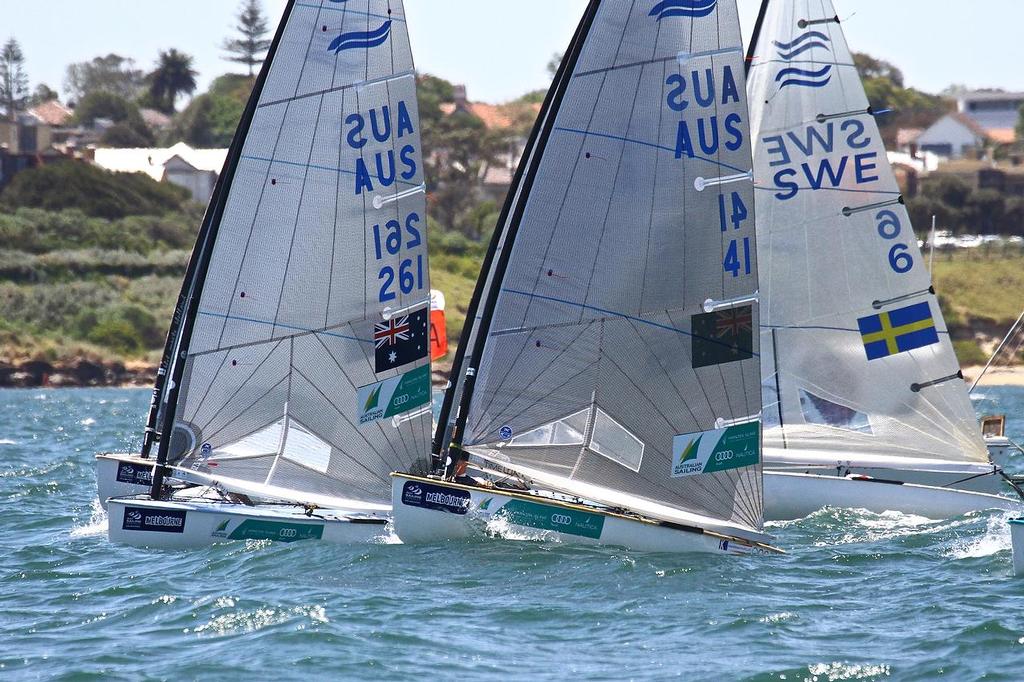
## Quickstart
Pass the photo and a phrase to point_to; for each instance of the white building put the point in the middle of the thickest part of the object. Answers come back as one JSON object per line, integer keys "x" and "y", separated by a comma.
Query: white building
{"x": 194, "y": 169}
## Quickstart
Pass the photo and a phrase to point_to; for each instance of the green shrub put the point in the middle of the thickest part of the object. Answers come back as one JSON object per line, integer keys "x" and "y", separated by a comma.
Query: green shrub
{"x": 93, "y": 191}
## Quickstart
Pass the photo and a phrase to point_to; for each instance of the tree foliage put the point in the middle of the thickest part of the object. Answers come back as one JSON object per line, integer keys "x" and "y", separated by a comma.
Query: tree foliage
{"x": 113, "y": 74}
{"x": 43, "y": 93}
{"x": 211, "y": 119}
{"x": 93, "y": 191}
{"x": 13, "y": 79}
{"x": 122, "y": 112}
{"x": 173, "y": 76}
{"x": 904, "y": 107}
{"x": 252, "y": 44}
{"x": 961, "y": 208}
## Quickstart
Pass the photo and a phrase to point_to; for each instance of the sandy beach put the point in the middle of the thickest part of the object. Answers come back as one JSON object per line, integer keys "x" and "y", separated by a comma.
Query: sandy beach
{"x": 996, "y": 376}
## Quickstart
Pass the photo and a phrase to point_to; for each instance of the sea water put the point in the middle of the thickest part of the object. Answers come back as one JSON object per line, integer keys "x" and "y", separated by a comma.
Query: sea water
{"x": 859, "y": 596}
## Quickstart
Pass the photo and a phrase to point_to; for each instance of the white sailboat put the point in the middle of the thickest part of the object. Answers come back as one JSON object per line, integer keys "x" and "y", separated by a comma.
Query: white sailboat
{"x": 864, "y": 403}
{"x": 297, "y": 374}
{"x": 608, "y": 389}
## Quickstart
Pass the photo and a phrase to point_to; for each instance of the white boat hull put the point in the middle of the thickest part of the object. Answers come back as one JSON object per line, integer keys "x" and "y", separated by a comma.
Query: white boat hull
{"x": 430, "y": 510}
{"x": 122, "y": 475}
{"x": 1017, "y": 539}
{"x": 185, "y": 524}
{"x": 790, "y": 496}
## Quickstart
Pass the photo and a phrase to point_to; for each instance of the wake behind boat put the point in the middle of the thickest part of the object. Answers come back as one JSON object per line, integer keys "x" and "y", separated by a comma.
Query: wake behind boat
{"x": 861, "y": 385}
{"x": 297, "y": 372}
{"x": 607, "y": 389}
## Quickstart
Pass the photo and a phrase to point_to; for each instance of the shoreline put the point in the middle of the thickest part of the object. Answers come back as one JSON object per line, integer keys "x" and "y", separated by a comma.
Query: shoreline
{"x": 996, "y": 376}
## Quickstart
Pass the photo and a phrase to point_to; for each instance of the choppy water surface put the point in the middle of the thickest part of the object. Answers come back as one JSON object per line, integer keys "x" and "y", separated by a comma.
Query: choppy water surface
{"x": 859, "y": 596}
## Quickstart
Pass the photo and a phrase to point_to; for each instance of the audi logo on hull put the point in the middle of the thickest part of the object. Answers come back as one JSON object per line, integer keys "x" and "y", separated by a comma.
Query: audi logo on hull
{"x": 561, "y": 520}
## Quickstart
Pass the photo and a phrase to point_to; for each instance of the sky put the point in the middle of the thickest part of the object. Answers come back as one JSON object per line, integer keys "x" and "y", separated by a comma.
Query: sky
{"x": 499, "y": 49}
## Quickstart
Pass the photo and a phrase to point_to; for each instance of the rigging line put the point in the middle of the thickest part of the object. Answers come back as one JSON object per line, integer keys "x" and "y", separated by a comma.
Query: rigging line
{"x": 238, "y": 390}
{"x": 263, "y": 342}
{"x": 613, "y": 314}
{"x": 302, "y": 331}
{"x": 347, "y": 10}
{"x": 652, "y": 145}
{"x": 341, "y": 88}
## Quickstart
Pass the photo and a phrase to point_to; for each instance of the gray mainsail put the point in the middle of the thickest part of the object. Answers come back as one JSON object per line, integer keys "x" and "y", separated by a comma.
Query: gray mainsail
{"x": 615, "y": 350}
{"x": 858, "y": 356}
{"x": 304, "y": 360}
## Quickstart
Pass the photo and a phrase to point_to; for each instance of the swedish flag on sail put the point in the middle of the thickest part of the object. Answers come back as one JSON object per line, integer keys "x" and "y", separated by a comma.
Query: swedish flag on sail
{"x": 898, "y": 331}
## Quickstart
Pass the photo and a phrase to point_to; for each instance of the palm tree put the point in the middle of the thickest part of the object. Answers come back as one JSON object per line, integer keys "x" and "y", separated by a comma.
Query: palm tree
{"x": 173, "y": 77}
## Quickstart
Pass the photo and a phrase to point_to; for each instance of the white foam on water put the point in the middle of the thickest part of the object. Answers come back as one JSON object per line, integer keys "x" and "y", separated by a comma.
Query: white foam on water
{"x": 833, "y": 672}
{"x": 499, "y": 526}
{"x": 7, "y": 441}
{"x": 243, "y": 621}
{"x": 388, "y": 537}
{"x": 995, "y": 539}
{"x": 96, "y": 525}
{"x": 89, "y": 421}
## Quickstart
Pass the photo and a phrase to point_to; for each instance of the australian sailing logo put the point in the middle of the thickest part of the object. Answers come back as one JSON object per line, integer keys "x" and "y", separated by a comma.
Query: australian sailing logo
{"x": 709, "y": 452}
{"x": 803, "y": 77}
{"x": 361, "y": 40}
{"x": 692, "y": 9}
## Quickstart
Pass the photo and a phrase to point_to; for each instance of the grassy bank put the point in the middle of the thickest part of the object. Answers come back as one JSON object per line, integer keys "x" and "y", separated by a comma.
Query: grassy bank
{"x": 74, "y": 287}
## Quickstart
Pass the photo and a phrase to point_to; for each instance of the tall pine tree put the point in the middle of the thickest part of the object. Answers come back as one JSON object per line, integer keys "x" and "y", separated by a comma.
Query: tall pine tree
{"x": 253, "y": 44}
{"x": 13, "y": 79}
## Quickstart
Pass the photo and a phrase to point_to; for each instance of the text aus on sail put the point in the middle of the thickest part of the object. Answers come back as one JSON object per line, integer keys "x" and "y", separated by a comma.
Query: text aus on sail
{"x": 392, "y": 128}
{"x": 699, "y": 94}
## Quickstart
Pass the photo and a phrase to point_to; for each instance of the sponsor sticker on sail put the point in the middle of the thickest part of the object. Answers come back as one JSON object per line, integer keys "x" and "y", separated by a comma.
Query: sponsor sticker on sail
{"x": 707, "y": 452}
{"x": 394, "y": 396}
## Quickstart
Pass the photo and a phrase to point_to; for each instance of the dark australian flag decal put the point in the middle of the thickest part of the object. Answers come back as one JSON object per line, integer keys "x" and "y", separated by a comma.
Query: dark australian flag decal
{"x": 723, "y": 336}
{"x": 401, "y": 340}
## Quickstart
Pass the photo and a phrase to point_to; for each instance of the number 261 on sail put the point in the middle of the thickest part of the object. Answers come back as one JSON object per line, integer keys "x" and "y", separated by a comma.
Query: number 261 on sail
{"x": 410, "y": 273}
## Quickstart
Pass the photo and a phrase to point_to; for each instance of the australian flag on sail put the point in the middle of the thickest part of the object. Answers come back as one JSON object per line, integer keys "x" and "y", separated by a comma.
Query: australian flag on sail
{"x": 723, "y": 336}
{"x": 401, "y": 340}
{"x": 898, "y": 331}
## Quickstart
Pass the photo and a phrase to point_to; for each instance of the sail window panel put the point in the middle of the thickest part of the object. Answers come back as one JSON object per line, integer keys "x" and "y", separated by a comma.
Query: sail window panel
{"x": 303, "y": 447}
{"x": 610, "y": 439}
{"x": 567, "y": 431}
{"x": 818, "y": 410}
{"x": 266, "y": 441}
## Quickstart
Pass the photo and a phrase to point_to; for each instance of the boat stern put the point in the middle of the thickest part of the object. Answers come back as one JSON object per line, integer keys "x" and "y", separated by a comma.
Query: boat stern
{"x": 122, "y": 475}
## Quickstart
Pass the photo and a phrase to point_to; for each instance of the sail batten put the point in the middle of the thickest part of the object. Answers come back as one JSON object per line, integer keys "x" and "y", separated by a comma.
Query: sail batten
{"x": 293, "y": 326}
{"x": 860, "y": 357}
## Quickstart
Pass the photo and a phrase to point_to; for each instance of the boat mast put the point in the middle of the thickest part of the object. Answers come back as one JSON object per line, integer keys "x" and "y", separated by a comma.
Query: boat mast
{"x": 756, "y": 36}
{"x": 445, "y": 427}
{"x": 203, "y": 252}
{"x": 515, "y": 207}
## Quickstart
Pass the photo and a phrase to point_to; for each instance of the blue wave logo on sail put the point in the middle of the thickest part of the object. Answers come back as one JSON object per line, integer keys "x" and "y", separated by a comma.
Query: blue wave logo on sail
{"x": 361, "y": 40}
{"x": 683, "y": 8}
{"x": 807, "y": 78}
{"x": 808, "y": 41}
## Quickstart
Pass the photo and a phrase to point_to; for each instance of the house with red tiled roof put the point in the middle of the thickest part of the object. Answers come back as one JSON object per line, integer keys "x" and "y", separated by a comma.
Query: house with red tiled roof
{"x": 51, "y": 113}
{"x": 515, "y": 118}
